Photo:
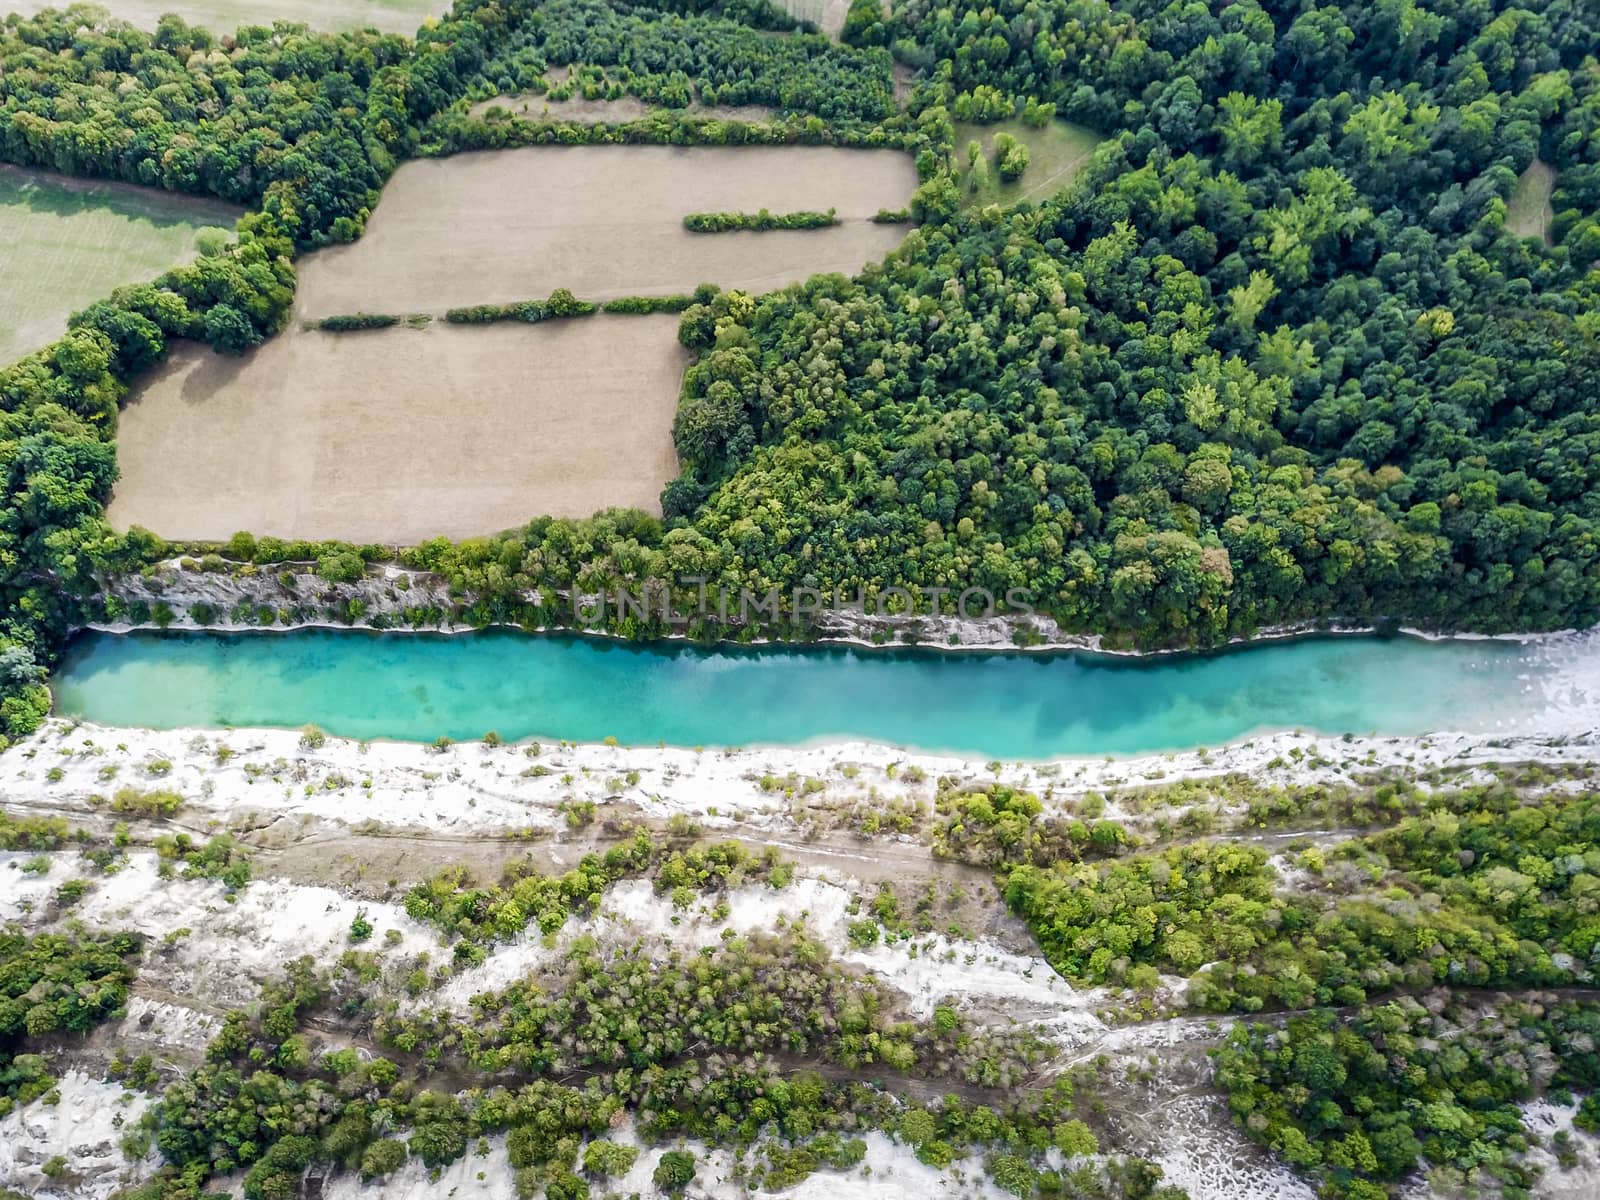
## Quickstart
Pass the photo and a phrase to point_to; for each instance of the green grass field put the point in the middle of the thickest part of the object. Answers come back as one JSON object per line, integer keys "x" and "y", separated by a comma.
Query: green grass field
{"x": 69, "y": 242}
{"x": 1057, "y": 152}
{"x": 1529, "y": 213}
{"x": 224, "y": 16}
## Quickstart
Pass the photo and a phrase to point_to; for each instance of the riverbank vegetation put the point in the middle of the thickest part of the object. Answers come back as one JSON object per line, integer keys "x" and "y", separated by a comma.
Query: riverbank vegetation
{"x": 749, "y": 1046}
{"x": 776, "y": 995}
{"x": 713, "y": 1046}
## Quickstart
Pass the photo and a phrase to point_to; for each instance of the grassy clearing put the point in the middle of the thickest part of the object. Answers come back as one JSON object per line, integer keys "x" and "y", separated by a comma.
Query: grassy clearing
{"x": 224, "y": 16}
{"x": 68, "y": 243}
{"x": 827, "y": 15}
{"x": 1529, "y": 214}
{"x": 581, "y": 110}
{"x": 1056, "y": 152}
{"x": 604, "y": 222}
{"x": 379, "y": 436}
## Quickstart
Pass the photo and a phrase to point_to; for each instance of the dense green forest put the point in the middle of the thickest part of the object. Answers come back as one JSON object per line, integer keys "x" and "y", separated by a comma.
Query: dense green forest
{"x": 1274, "y": 357}
{"x": 670, "y": 60}
{"x": 1481, "y": 887}
{"x": 55, "y": 983}
{"x": 1356, "y": 1103}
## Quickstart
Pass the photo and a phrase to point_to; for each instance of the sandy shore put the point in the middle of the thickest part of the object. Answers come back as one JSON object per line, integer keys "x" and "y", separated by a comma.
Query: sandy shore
{"x": 472, "y": 786}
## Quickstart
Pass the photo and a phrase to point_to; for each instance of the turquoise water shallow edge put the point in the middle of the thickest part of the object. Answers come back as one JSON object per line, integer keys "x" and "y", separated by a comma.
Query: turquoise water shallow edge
{"x": 415, "y": 687}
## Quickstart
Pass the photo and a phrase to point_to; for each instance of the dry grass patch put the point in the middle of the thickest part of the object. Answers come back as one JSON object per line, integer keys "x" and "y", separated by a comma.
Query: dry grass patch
{"x": 399, "y": 435}
{"x": 604, "y": 221}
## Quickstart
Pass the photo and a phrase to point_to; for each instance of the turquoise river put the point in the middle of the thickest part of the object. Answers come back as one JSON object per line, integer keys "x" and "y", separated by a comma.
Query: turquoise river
{"x": 1005, "y": 705}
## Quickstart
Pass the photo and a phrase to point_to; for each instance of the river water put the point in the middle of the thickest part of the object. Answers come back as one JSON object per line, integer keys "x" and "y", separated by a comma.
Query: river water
{"x": 1008, "y": 705}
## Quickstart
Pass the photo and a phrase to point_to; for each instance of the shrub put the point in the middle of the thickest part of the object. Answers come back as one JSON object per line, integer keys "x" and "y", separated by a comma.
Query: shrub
{"x": 73, "y": 890}
{"x": 1074, "y": 1139}
{"x": 32, "y": 833}
{"x": 342, "y": 566}
{"x": 726, "y": 222}
{"x": 561, "y": 303}
{"x": 1011, "y": 157}
{"x": 648, "y": 304}
{"x": 355, "y": 321}
{"x": 220, "y": 859}
{"x": 674, "y": 1172}
{"x": 132, "y": 801}
{"x": 607, "y": 1159}
{"x": 383, "y": 1157}
{"x": 863, "y": 933}
{"x": 1012, "y": 1174}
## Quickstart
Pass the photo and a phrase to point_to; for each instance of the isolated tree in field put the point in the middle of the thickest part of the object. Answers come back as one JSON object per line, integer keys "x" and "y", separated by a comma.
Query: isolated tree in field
{"x": 1011, "y": 157}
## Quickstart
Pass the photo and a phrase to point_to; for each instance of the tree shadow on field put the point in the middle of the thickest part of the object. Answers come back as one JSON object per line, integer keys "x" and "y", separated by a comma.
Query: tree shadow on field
{"x": 201, "y": 375}
{"x": 210, "y": 374}
{"x": 69, "y": 196}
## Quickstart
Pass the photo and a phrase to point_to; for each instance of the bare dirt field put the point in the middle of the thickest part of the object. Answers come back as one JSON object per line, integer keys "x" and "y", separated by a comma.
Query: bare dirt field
{"x": 225, "y": 16}
{"x": 604, "y": 221}
{"x": 399, "y": 435}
